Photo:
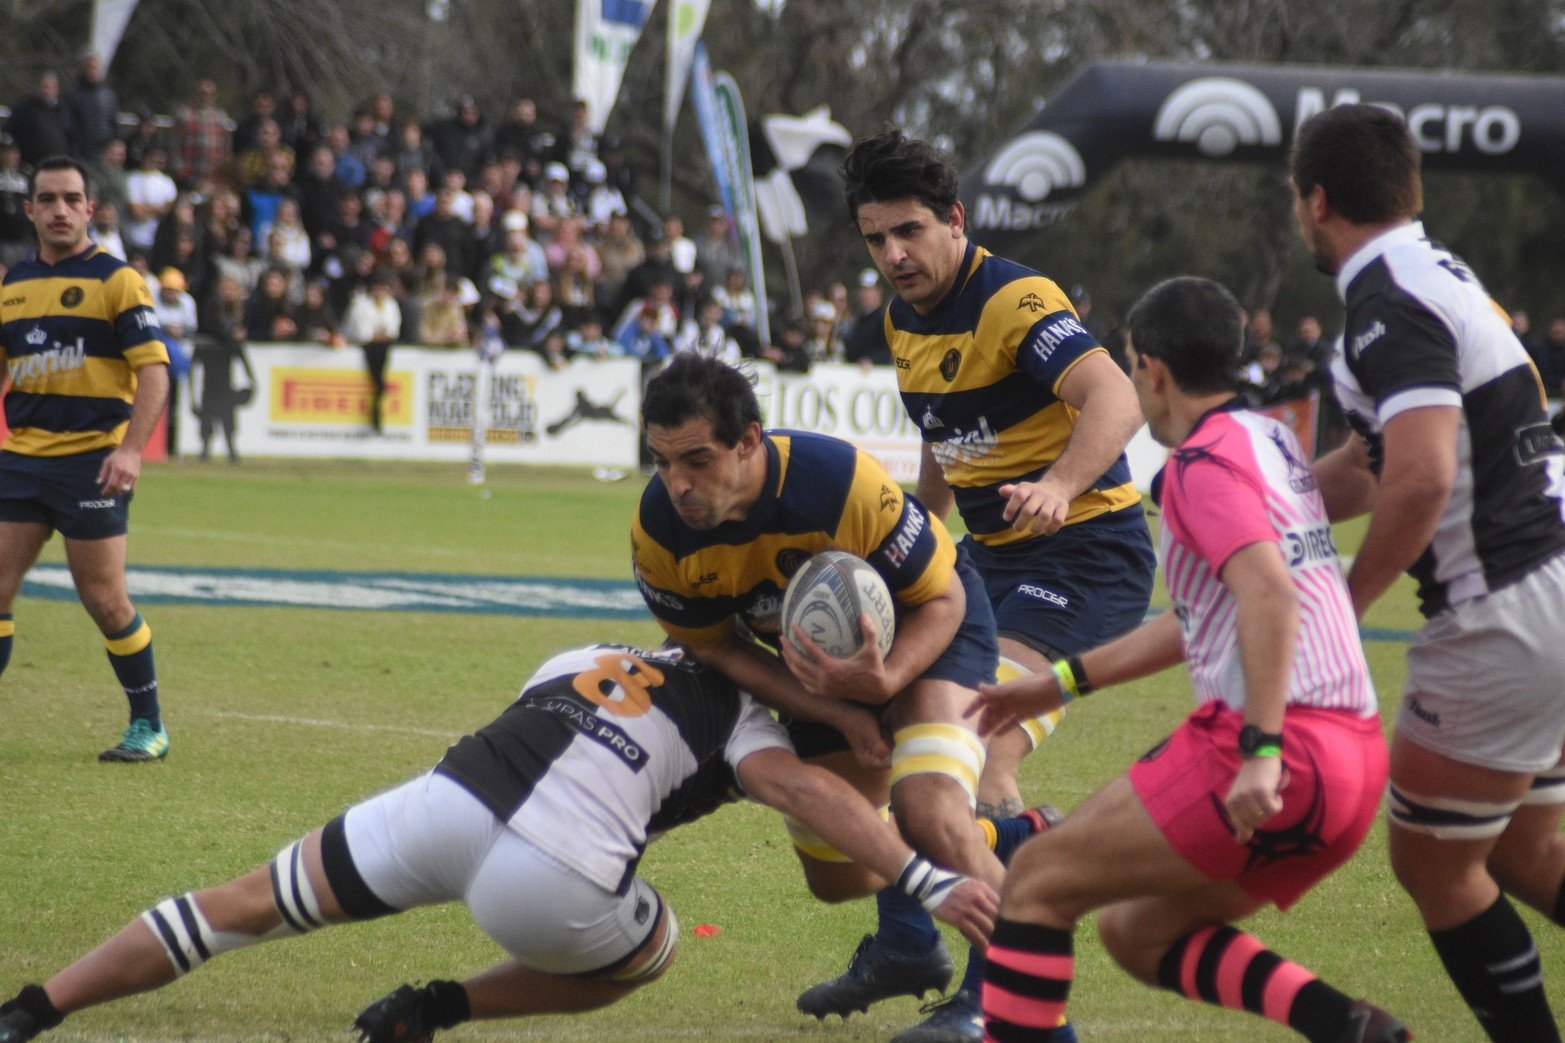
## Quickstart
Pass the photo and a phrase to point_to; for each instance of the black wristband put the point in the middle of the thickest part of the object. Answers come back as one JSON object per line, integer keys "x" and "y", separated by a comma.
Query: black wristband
{"x": 1083, "y": 686}
{"x": 447, "y": 1005}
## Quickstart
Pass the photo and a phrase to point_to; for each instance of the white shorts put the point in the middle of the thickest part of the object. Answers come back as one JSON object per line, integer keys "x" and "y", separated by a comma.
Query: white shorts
{"x": 1486, "y": 679}
{"x": 429, "y": 840}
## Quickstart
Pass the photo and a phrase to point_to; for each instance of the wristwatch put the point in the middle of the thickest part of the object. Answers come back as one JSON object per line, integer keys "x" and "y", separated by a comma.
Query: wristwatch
{"x": 1255, "y": 743}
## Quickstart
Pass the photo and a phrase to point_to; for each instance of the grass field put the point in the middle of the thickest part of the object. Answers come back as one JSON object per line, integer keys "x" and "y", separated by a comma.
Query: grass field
{"x": 282, "y": 717}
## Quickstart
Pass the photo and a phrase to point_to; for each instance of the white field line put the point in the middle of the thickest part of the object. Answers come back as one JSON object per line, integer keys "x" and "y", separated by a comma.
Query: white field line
{"x": 317, "y": 722}
{"x": 293, "y": 541}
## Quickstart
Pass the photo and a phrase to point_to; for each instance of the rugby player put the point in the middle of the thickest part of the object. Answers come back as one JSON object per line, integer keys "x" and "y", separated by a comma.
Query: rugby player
{"x": 732, "y": 512}
{"x": 1464, "y": 482}
{"x": 537, "y": 823}
{"x": 88, "y": 378}
{"x": 1024, "y": 418}
{"x": 1275, "y": 778}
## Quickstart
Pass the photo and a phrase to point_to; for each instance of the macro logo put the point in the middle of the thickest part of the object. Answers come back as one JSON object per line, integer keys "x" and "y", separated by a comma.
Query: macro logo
{"x": 1037, "y": 163}
{"x": 331, "y": 396}
{"x": 1219, "y": 114}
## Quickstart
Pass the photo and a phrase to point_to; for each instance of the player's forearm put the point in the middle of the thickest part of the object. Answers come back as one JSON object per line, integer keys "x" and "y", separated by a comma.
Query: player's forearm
{"x": 1407, "y": 512}
{"x": 1268, "y": 629}
{"x": 933, "y": 491}
{"x": 765, "y": 677}
{"x": 1154, "y": 646}
{"x": 1346, "y": 483}
{"x": 151, "y": 395}
{"x": 835, "y": 811}
{"x": 923, "y": 632}
{"x": 1109, "y": 419}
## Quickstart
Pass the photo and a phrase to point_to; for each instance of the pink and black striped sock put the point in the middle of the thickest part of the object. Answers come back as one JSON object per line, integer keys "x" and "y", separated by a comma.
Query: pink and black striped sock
{"x": 1026, "y": 982}
{"x": 1226, "y": 967}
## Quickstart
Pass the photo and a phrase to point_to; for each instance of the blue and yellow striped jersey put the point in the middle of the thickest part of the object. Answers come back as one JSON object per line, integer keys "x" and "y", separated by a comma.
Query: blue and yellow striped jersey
{"x": 980, "y": 376}
{"x": 820, "y": 494}
{"x": 72, "y": 336}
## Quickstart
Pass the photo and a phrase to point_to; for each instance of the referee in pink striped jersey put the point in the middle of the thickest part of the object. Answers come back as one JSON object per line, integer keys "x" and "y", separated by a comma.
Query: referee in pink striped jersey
{"x": 1275, "y": 778}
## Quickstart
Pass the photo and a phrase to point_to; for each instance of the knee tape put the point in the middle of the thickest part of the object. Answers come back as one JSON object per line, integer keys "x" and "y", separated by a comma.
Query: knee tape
{"x": 1548, "y": 787}
{"x": 811, "y": 843}
{"x": 939, "y": 749}
{"x": 1037, "y": 728}
{"x": 293, "y": 894}
{"x": 1449, "y": 818}
{"x": 660, "y": 959}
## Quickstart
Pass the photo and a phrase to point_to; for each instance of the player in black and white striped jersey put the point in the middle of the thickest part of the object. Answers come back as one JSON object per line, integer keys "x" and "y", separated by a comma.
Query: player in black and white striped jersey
{"x": 537, "y": 822}
{"x": 1465, "y": 484}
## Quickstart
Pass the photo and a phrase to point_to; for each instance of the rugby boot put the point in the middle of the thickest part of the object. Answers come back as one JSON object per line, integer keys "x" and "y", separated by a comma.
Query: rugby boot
{"x": 1367, "y": 1023}
{"x": 141, "y": 742}
{"x": 878, "y": 972}
{"x": 397, "y": 1017}
{"x": 28, "y": 1014}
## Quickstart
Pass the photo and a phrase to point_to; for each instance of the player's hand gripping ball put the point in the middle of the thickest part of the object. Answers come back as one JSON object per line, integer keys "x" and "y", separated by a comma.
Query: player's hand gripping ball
{"x": 826, "y": 597}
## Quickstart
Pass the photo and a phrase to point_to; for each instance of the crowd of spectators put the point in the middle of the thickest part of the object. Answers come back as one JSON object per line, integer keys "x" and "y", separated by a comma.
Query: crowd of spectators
{"x": 529, "y": 229}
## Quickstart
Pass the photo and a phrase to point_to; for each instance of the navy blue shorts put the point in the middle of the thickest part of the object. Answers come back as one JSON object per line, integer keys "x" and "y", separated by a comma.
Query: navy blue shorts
{"x": 968, "y": 660}
{"x": 62, "y": 493}
{"x": 1066, "y": 593}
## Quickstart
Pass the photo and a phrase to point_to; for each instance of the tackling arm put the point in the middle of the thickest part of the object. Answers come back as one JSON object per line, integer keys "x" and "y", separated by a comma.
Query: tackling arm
{"x": 837, "y": 812}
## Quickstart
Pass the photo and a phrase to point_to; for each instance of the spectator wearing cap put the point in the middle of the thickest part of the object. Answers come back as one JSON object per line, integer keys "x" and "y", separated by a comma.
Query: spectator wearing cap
{"x": 822, "y": 341}
{"x": 553, "y": 203}
{"x": 603, "y": 200}
{"x": 37, "y": 122}
{"x": 681, "y": 248}
{"x": 92, "y": 111}
{"x": 200, "y": 139}
{"x": 175, "y": 307}
{"x": 866, "y": 341}
{"x": 717, "y": 251}
{"x": 16, "y": 230}
{"x": 522, "y": 261}
{"x": 461, "y": 139}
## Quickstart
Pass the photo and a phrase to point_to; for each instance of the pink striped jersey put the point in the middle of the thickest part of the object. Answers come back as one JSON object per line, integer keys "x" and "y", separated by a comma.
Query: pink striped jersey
{"x": 1241, "y": 478}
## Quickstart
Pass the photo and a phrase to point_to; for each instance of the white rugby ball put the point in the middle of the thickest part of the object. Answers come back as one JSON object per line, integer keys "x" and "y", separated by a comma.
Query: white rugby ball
{"x": 826, "y": 597}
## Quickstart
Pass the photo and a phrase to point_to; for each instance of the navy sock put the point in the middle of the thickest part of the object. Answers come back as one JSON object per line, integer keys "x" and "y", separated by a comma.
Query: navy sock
{"x": 130, "y": 653}
{"x": 904, "y": 925}
{"x": 7, "y": 633}
{"x": 1009, "y": 833}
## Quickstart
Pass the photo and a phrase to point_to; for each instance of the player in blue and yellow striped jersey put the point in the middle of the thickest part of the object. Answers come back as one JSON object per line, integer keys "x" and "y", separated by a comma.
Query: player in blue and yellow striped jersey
{"x": 732, "y": 512}
{"x": 1024, "y": 419}
{"x": 88, "y": 379}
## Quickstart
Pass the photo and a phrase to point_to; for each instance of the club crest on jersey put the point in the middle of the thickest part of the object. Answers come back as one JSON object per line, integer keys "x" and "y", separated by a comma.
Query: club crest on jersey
{"x": 1032, "y": 302}
{"x": 36, "y": 336}
{"x": 789, "y": 560}
{"x": 71, "y": 297}
{"x": 949, "y": 364}
{"x": 929, "y": 421}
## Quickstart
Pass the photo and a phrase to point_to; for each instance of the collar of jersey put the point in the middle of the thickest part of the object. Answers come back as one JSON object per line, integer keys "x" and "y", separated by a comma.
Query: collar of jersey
{"x": 1411, "y": 232}
{"x": 908, "y": 319}
{"x": 80, "y": 255}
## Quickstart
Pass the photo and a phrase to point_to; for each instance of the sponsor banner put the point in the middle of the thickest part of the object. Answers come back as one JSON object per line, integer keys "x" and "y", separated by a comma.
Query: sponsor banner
{"x": 606, "y": 32}
{"x": 686, "y": 19}
{"x": 1299, "y": 415}
{"x": 863, "y": 406}
{"x": 364, "y": 591}
{"x": 314, "y": 401}
{"x": 1215, "y": 111}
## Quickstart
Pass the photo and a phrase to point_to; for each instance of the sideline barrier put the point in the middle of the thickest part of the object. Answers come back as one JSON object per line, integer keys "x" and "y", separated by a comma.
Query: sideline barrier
{"x": 312, "y": 401}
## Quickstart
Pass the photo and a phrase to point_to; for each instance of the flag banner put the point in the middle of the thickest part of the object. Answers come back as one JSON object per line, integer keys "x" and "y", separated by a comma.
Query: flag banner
{"x": 109, "y": 19}
{"x": 703, "y": 96}
{"x": 686, "y": 19}
{"x": 795, "y": 161}
{"x": 736, "y": 155}
{"x": 606, "y": 31}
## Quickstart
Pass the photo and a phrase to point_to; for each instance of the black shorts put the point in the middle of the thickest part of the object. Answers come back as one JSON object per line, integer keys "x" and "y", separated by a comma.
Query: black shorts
{"x": 61, "y": 492}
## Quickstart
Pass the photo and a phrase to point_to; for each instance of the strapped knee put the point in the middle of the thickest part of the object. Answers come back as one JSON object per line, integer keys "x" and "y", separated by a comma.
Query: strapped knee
{"x": 1449, "y": 818}
{"x": 189, "y": 940}
{"x": 939, "y": 749}
{"x": 1548, "y": 787}
{"x": 660, "y": 959}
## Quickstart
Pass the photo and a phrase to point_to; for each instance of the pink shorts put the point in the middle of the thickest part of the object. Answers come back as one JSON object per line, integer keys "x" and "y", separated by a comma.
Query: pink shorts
{"x": 1336, "y": 767}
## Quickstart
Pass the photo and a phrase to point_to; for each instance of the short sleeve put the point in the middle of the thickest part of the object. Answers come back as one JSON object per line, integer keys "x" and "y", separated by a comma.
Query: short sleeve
{"x": 136, "y": 323}
{"x": 755, "y": 730}
{"x": 1402, "y": 354}
{"x": 894, "y": 533}
{"x": 1214, "y": 508}
{"x": 1035, "y": 315}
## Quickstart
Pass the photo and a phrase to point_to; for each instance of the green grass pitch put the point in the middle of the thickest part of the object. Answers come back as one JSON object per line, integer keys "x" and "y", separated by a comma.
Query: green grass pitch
{"x": 280, "y": 718}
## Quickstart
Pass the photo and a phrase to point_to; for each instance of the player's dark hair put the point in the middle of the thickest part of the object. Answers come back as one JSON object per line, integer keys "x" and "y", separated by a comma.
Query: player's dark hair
{"x": 1365, "y": 159}
{"x": 1195, "y": 327}
{"x": 891, "y": 166}
{"x": 695, "y": 386}
{"x": 58, "y": 163}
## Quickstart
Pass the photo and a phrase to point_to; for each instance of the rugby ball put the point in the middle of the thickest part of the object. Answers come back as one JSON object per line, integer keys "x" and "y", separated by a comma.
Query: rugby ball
{"x": 826, "y": 597}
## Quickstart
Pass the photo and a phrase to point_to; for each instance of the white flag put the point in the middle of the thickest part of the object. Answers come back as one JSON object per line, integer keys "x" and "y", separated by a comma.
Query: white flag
{"x": 606, "y": 30}
{"x": 686, "y": 19}
{"x": 109, "y": 19}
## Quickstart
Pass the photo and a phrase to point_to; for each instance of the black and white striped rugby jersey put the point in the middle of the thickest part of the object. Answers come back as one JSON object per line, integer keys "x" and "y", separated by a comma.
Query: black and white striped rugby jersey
{"x": 609, "y": 746}
{"x": 1421, "y": 331}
